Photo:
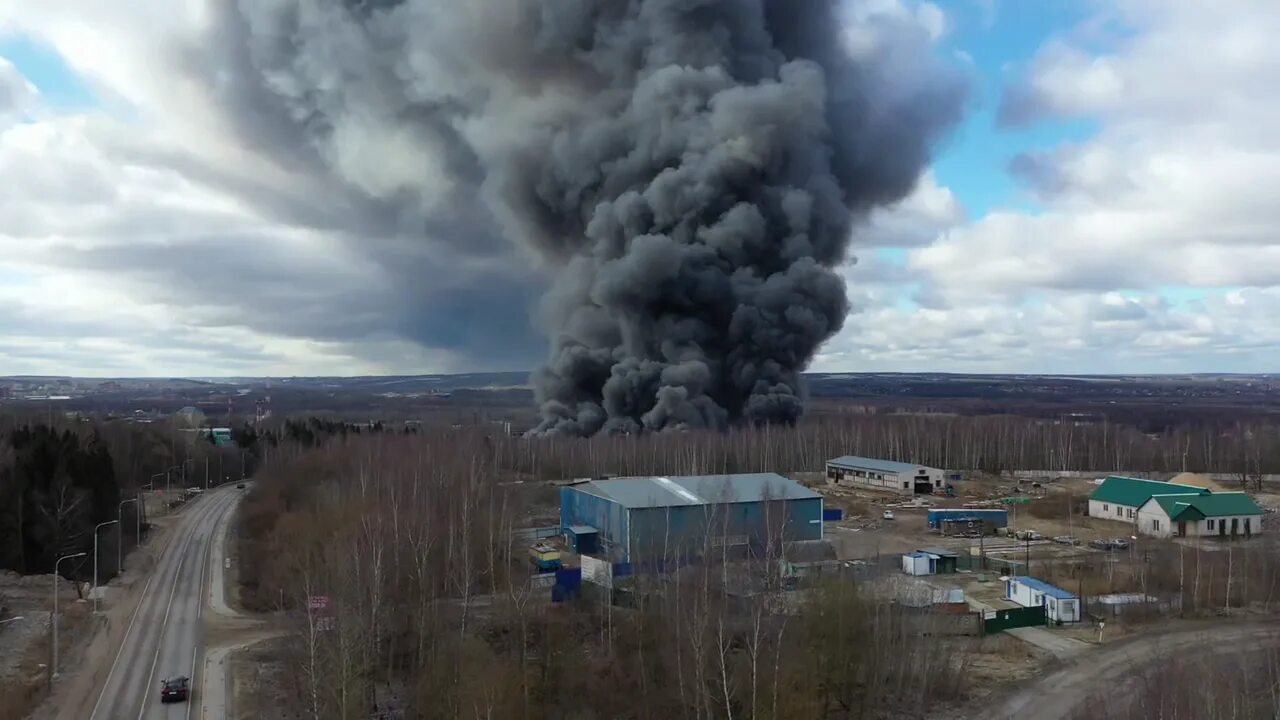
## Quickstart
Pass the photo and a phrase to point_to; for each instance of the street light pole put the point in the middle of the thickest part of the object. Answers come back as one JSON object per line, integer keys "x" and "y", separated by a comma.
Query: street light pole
{"x": 98, "y": 527}
{"x": 137, "y": 532}
{"x": 53, "y": 666}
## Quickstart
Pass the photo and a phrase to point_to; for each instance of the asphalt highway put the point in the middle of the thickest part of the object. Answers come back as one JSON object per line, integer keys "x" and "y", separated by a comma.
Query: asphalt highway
{"x": 165, "y": 637}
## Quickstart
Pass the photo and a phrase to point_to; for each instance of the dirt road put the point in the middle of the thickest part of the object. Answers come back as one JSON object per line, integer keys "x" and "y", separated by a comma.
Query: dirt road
{"x": 1058, "y": 694}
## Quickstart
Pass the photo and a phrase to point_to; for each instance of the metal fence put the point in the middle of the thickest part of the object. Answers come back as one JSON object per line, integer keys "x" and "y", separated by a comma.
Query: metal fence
{"x": 994, "y": 565}
{"x": 998, "y": 620}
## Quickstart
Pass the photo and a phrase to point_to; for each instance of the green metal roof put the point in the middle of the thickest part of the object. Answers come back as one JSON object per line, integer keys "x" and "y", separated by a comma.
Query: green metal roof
{"x": 1178, "y": 507}
{"x": 1136, "y": 491}
{"x": 1197, "y": 507}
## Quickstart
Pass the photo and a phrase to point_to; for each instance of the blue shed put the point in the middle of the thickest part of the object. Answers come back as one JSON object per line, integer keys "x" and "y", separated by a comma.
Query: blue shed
{"x": 998, "y": 518}
{"x": 650, "y": 518}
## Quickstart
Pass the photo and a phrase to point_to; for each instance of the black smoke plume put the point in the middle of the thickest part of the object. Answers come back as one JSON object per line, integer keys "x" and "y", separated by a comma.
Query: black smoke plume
{"x": 687, "y": 171}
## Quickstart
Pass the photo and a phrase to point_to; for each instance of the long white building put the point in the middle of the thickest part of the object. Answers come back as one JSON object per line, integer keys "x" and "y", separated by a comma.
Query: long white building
{"x": 888, "y": 475}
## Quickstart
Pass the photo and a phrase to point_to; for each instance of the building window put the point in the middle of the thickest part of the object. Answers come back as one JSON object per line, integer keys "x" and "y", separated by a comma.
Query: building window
{"x": 1155, "y": 524}
{"x": 906, "y": 486}
{"x": 1119, "y": 511}
{"x": 1130, "y": 512}
{"x": 1247, "y": 528}
{"x": 1211, "y": 524}
{"x": 1106, "y": 507}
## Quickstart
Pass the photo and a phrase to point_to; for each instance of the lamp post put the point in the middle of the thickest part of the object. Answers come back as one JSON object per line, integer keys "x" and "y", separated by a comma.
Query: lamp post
{"x": 96, "y": 528}
{"x": 137, "y": 534}
{"x": 53, "y": 666}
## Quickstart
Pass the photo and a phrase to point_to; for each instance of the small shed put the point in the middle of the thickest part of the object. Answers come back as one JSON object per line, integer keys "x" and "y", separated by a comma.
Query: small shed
{"x": 582, "y": 539}
{"x": 1059, "y": 605}
{"x": 944, "y": 560}
{"x": 917, "y": 563}
{"x": 929, "y": 561}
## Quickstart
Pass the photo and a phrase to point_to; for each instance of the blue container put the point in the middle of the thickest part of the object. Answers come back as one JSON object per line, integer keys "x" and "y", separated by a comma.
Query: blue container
{"x": 832, "y": 514}
{"x": 998, "y": 518}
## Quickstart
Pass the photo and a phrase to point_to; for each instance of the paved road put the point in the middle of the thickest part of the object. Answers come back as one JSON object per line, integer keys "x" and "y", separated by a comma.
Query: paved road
{"x": 1063, "y": 691}
{"x": 165, "y": 634}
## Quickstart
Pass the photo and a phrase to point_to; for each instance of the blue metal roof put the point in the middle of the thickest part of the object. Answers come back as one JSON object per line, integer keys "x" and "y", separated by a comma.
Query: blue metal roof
{"x": 1044, "y": 587}
{"x": 662, "y": 491}
{"x": 861, "y": 463}
{"x": 582, "y": 529}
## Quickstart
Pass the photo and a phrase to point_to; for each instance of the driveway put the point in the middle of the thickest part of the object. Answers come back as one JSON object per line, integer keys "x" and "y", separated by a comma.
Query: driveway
{"x": 1062, "y": 647}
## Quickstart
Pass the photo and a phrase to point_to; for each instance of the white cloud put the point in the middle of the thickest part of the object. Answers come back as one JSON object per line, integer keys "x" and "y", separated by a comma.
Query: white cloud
{"x": 18, "y": 96}
{"x": 1173, "y": 195}
{"x": 916, "y": 220}
{"x": 1231, "y": 331}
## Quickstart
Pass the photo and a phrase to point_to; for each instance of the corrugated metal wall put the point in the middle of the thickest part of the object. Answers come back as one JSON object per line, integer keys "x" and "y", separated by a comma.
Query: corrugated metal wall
{"x": 682, "y": 531}
{"x": 652, "y": 533}
{"x": 610, "y": 518}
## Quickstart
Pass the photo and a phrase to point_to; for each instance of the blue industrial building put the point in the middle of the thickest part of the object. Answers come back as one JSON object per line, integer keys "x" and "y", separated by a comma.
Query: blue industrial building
{"x": 637, "y": 519}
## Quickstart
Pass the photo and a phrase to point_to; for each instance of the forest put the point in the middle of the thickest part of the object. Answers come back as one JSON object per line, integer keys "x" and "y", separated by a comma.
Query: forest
{"x": 57, "y": 482}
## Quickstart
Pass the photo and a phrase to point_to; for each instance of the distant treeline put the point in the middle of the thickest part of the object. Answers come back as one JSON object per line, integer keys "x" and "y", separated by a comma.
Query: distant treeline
{"x": 987, "y": 443}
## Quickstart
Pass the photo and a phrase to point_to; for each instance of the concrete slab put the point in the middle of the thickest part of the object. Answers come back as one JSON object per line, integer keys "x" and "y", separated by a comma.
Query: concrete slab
{"x": 1060, "y": 646}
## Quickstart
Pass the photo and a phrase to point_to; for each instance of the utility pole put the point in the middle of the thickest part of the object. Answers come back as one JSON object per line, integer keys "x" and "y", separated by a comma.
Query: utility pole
{"x": 137, "y": 533}
{"x": 95, "y": 560}
{"x": 53, "y": 666}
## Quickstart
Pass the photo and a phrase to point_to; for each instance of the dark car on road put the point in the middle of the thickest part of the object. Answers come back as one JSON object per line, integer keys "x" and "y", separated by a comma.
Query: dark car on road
{"x": 239, "y": 486}
{"x": 175, "y": 689}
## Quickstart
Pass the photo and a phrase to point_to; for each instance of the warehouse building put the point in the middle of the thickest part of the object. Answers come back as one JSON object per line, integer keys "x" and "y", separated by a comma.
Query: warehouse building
{"x": 636, "y": 519}
{"x": 1118, "y": 497}
{"x": 889, "y": 475}
{"x": 1224, "y": 514}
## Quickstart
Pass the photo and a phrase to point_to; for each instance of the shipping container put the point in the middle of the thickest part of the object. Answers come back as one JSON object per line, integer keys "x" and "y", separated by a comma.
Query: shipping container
{"x": 998, "y": 518}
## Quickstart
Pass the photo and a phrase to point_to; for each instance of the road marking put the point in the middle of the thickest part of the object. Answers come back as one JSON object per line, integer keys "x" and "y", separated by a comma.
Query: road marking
{"x": 142, "y": 600}
{"x": 192, "y": 688}
{"x": 164, "y": 625}
{"x": 125, "y": 641}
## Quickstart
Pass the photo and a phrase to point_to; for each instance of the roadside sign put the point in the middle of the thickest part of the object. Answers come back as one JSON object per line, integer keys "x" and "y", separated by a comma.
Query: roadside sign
{"x": 318, "y": 602}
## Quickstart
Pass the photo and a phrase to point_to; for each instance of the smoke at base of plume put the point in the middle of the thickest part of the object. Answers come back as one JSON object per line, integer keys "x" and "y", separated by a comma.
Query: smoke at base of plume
{"x": 688, "y": 170}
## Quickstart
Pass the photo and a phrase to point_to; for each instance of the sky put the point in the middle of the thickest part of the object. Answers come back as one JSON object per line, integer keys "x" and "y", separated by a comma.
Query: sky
{"x": 1106, "y": 205}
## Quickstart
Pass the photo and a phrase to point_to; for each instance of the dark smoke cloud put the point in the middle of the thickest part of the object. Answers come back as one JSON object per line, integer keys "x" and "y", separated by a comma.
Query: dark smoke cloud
{"x": 686, "y": 171}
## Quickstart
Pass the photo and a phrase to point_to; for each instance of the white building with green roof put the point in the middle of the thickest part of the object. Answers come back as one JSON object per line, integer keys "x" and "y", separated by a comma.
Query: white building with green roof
{"x": 1216, "y": 514}
{"x": 1118, "y": 497}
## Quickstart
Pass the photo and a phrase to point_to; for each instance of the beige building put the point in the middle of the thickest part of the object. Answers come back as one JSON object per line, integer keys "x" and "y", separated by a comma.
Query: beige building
{"x": 1225, "y": 514}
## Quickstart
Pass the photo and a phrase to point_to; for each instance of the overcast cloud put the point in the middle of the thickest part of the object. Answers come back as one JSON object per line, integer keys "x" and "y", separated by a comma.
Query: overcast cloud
{"x": 169, "y": 231}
